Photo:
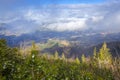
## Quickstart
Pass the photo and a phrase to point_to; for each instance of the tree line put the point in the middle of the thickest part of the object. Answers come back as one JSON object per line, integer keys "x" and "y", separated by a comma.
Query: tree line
{"x": 36, "y": 66}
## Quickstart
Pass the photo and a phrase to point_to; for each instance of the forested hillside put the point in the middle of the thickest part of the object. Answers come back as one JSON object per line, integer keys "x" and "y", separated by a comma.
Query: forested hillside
{"x": 16, "y": 64}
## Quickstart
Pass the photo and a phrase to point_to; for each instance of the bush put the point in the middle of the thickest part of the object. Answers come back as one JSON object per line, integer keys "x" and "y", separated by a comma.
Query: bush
{"x": 38, "y": 67}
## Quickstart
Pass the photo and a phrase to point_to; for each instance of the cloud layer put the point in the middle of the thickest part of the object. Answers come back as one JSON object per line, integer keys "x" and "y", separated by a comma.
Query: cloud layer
{"x": 101, "y": 17}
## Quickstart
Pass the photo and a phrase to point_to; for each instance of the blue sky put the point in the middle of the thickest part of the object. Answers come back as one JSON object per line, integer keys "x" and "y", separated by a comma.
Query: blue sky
{"x": 14, "y": 4}
{"x": 101, "y": 15}
{"x": 34, "y": 2}
{"x": 17, "y": 3}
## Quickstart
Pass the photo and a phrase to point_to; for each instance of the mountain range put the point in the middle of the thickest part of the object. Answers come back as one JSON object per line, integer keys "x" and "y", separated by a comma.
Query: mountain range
{"x": 81, "y": 41}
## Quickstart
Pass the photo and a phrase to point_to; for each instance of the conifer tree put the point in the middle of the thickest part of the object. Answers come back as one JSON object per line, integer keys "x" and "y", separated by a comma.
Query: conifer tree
{"x": 77, "y": 60}
{"x": 63, "y": 56}
{"x": 94, "y": 59}
{"x": 33, "y": 60}
{"x": 95, "y": 53}
{"x": 104, "y": 55}
{"x": 56, "y": 56}
{"x": 83, "y": 58}
{"x": 34, "y": 50}
{"x": 33, "y": 45}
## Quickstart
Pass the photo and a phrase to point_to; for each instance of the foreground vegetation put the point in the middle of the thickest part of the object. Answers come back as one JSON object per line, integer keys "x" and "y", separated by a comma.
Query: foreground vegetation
{"x": 36, "y": 66}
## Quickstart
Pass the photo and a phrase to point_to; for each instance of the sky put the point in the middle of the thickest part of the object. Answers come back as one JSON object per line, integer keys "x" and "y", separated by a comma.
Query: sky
{"x": 25, "y": 16}
{"x": 63, "y": 1}
{"x": 13, "y": 4}
{"x": 46, "y": 2}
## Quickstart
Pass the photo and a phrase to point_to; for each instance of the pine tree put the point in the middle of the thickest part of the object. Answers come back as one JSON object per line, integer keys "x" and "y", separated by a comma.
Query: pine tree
{"x": 9, "y": 59}
{"x": 83, "y": 58}
{"x": 104, "y": 55}
{"x": 63, "y": 56}
{"x": 33, "y": 60}
{"x": 95, "y": 53}
{"x": 34, "y": 50}
{"x": 94, "y": 58}
{"x": 33, "y": 45}
{"x": 77, "y": 60}
{"x": 56, "y": 56}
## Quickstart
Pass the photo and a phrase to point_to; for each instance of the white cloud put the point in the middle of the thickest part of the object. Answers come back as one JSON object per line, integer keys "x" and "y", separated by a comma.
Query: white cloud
{"x": 9, "y": 20}
{"x": 59, "y": 22}
{"x": 78, "y": 24}
{"x": 104, "y": 17}
{"x": 97, "y": 19}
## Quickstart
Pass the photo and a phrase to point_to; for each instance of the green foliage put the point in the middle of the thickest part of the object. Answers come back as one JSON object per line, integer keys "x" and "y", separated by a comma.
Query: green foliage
{"x": 83, "y": 58}
{"x": 104, "y": 56}
{"x": 77, "y": 60}
{"x": 56, "y": 56}
{"x": 63, "y": 56}
{"x": 9, "y": 59}
{"x": 38, "y": 67}
{"x": 95, "y": 53}
{"x": 104, "y": 52}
